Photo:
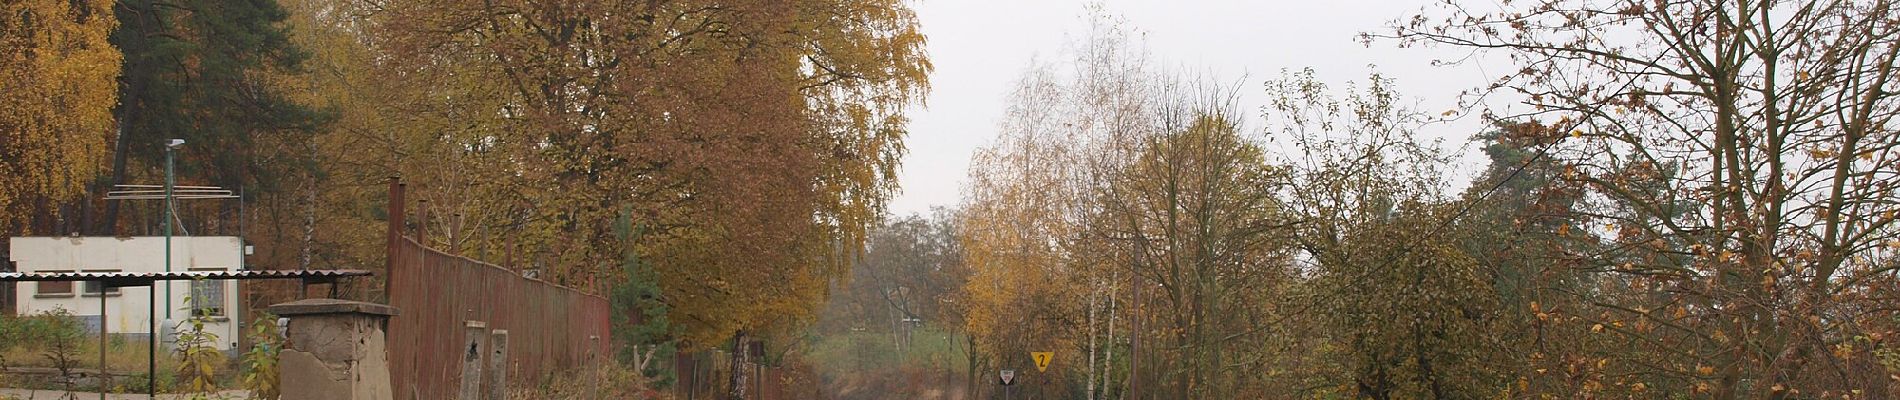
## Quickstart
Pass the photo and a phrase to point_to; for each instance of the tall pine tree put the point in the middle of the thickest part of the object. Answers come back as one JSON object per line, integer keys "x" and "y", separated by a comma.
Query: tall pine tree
{"x": 198, "y": 70}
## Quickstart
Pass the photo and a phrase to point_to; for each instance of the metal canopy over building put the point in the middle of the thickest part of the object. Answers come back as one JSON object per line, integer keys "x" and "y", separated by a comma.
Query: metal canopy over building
{"x": 122, "y": 279}
{"x": 126, "y": 279}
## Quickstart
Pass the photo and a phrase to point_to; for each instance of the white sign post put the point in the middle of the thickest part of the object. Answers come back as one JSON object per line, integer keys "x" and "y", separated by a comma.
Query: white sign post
{"x": 1009, "y": 380}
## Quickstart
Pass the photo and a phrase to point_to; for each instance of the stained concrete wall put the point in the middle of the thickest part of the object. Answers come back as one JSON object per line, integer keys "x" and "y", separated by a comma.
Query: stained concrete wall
{"x": 336, "y": 351}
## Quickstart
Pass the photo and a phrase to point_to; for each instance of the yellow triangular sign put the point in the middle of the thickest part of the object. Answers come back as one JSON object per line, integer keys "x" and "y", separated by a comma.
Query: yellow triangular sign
{"x": 1042, "y": 359}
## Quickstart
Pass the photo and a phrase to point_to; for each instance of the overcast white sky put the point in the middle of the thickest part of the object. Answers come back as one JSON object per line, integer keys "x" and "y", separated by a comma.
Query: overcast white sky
{"x": 980, "y": 48}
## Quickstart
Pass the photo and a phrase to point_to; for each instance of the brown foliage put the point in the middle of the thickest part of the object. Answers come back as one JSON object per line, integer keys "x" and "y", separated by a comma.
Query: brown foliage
{"x": 750, "y": 143}
{"x": 1740, "y": 158}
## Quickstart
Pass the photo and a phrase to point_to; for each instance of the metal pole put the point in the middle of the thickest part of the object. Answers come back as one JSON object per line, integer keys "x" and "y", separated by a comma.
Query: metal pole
{"x": 170, "y": 181}
{"x": 102, "y": 340}
{"x": 151, "y": 371}
{"x": 151, "y": 340}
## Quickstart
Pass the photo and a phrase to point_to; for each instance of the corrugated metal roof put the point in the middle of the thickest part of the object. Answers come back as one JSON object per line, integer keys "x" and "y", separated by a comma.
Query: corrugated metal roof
{"x": 142, "y": 278}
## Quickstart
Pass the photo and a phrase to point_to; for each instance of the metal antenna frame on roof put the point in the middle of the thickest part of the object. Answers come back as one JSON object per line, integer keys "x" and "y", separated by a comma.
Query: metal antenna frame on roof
{"x": 170, "y": 192}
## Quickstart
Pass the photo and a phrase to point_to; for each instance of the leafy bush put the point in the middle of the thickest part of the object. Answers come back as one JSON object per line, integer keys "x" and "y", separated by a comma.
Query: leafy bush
{"x": 39, "y": 330}
{"x": 55, "y": 335}
{"x": 260, "y": 362}
{"x": 199, "y": 359}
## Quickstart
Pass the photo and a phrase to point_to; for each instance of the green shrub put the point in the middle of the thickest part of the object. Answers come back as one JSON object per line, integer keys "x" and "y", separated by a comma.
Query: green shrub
{"x": 39, "y": 330}
{"x": 260, "y": 362}
{"x": 199, "y": 359}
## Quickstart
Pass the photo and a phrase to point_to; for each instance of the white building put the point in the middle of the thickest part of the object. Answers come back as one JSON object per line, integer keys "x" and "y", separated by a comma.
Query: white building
{"x": 127, "y": 309}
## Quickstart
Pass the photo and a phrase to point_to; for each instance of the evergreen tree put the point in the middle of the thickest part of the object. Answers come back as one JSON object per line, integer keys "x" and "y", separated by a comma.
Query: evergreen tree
{"x": 199, "y": 70}
{"x": 642, "y": 331}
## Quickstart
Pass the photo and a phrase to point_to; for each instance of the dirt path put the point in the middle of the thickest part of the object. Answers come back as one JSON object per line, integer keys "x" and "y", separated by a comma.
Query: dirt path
{"x": 27, "y": 394}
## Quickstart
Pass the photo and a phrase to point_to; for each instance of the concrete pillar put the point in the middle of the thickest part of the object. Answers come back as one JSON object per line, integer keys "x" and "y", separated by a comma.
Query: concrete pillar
{"x": 475, "y": 340}
{"x": 498, "y": 365}
{"x": 336, "y": 351}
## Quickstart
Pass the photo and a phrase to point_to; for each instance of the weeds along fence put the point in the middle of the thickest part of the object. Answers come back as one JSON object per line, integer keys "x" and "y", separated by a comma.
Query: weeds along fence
{"x": 551, "y": 328}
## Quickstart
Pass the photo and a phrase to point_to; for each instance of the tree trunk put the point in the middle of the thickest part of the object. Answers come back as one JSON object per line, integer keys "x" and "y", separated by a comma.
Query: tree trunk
{"x": 1094, "y": 299}
{"x": 1108, "y": 354}
{"x": 737, "y": 384}
{"x": 970, "y": 358}
{"x": 109, "y": 224}
{"x": 306, "y": 252}
{"x": 127, "y": 113}
{"x": 1134, "y": 342}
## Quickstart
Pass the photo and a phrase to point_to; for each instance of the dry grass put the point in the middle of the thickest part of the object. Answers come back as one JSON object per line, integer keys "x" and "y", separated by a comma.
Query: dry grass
{"x": 127, "y": 356}
{"x": 126, "y": 362}
{"x": 609, "y": 381}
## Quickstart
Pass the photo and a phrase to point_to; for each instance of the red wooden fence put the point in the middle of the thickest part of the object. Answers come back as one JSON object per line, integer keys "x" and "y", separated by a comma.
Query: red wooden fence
{"x": 551, "y": 328}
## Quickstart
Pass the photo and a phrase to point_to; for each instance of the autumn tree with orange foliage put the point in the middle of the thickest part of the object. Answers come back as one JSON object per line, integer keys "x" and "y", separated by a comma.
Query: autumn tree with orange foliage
{"x": 57, "y": 90}
{"x": 751, "y": 144}
{"x": 1025, "y": 211}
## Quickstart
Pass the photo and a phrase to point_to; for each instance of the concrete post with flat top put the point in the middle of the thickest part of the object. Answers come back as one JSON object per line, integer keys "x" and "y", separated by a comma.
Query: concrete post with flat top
{"x": 498, "y": 364}
{"x": 474, "y": 345}
{"x": 336, "y": 350}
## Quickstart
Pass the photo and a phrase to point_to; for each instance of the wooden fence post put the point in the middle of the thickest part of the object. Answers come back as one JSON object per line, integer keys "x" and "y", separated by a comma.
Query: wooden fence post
{"x": 394, "y": 238}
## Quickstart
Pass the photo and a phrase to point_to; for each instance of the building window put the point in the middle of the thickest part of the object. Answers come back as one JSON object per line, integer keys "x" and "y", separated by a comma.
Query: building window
{"x": 53, "y": 288}
{"x": 207, "y": 296}
{"x": 93, "y": 288}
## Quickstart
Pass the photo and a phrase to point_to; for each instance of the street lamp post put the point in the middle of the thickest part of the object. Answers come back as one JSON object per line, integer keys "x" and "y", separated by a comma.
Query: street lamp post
{"x": 171, "y": 146}
{"x": 151, "y": 372}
